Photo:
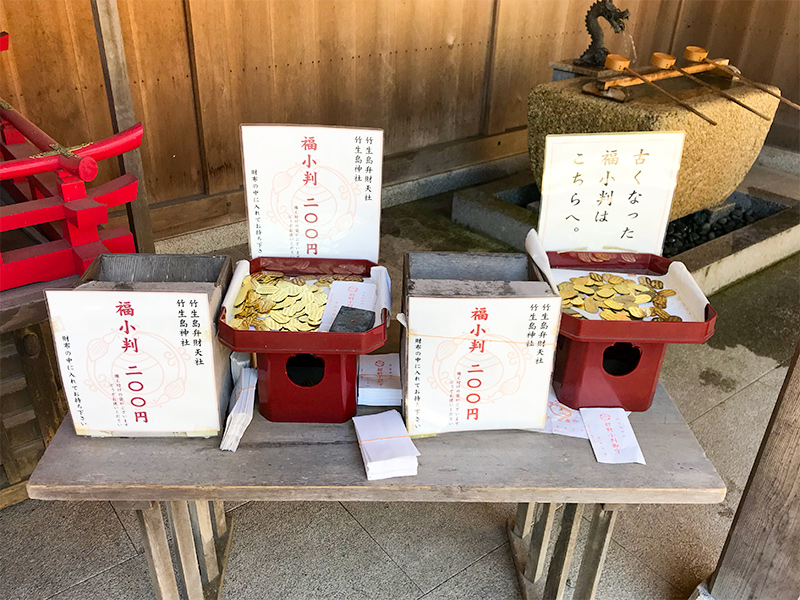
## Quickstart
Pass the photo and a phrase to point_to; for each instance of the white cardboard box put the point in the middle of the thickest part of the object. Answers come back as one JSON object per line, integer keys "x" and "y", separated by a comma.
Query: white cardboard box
{"x": 480, "y": 338}
{"x": 137, "y": 346}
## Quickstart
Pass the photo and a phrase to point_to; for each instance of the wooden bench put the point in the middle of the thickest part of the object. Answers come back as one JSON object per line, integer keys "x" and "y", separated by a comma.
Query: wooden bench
{"x": 294, "y": 461}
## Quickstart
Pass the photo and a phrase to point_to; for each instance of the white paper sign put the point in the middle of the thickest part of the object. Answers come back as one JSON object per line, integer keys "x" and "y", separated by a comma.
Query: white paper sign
{"x": 353, "y": 294}
{"x": 313, "y": 191}
{"x": 136, "y": 362}
{"x": 479, "y": 363}
{"x": 608, "y": 191}
{"x": 611, "y": 435}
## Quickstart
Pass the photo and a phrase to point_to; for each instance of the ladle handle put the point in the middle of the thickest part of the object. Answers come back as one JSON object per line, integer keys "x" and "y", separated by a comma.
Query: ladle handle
{"x": 674, "y": 98}
{"x": 754, "y": 84}
{"x": 722, "y": 93}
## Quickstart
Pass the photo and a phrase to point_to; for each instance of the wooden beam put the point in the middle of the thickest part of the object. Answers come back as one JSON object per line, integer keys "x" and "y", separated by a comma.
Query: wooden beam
{"x": 561, "y": 560}
{"x": 156, "y": 549}
{"x": 13, "y": 494}
{"x": 120, "y": 103}
{"x": 761, "y": 557}
{"x": 40, "y": 366}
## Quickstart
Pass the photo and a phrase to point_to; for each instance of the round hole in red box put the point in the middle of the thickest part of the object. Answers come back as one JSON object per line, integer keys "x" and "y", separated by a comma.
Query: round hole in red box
{"x": 305, "y": 370}
{"x": 621, "y": 358}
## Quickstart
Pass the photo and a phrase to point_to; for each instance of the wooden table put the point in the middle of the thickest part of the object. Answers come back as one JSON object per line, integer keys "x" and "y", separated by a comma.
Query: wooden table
{"x": 287, "y": 461}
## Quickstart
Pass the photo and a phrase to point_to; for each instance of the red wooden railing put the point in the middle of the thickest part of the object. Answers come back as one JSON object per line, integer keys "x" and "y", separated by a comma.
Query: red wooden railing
{"x": 46, "y": 181}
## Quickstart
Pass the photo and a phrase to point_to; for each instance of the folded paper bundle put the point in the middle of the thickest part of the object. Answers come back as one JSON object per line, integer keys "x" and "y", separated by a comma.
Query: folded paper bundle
{"x": 379, "y": 380}
{"x": 385, "y": 445}
{"x": 240, "y": 410}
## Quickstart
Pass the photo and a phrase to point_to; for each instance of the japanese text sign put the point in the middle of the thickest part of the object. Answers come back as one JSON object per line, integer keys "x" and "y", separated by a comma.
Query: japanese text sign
{"x": 479, "y": 363}
{"x": 313, "y": 191}
{"x": 136, "y": 362}
{"x": 608, "y": 191}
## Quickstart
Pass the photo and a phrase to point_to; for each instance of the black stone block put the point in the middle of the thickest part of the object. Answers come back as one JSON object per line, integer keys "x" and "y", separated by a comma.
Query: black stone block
{"x": 353, "y": 320}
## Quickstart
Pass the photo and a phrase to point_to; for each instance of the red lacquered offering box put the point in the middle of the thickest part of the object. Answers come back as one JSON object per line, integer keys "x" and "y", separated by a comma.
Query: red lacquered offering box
{"x": 616, "y": 363}
{"x": 309, "y": 377}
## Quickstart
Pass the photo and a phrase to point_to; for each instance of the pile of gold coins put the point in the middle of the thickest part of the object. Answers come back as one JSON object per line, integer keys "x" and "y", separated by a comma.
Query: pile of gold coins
{"x": 271, "y": 301}
{"x": 616, "y": 298}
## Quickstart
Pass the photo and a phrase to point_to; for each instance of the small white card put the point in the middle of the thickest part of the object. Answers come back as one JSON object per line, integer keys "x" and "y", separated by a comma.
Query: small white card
{"x": 611, "y": 435}
{"x": 607, "y": 191}
{"x": 563, "y": 420}
{"x": 347, "y": 293}
{"x": 379, "y": 381}
{"x": 313, "y": 191}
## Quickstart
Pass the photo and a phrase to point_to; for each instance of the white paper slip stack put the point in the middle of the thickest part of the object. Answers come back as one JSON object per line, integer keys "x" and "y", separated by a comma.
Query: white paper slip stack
{"x": 240, "y": 410}
{"x": 385, "y": 445}
{"x": 379, "y": 380}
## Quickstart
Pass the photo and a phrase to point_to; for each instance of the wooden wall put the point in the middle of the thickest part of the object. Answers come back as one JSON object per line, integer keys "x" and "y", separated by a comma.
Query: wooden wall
{"x": 446, "y": 79}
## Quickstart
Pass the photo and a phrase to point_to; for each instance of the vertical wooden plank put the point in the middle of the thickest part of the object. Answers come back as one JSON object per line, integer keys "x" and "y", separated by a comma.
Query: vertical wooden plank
{"x": 13, "y": 472}
{"x": 562, "y": 554}
{"x": 471, "y": 64}
{"x": 524, "y": 518}
{"x": 760, "y": 556}
{"x": 115, "y": 74}
{"x": 540, "y": 540}
{"x": 204, "y": 541}
{"x": 181, "y": 525}
{"x": 157, "y": 54}
{"x": 527, "y": 41}
{"x": 594, "y": 555}
{"x": 488, "y": 75}
{"x": 336, "y": 23}
{"x": 156, "y": 549}
{"x": 220, "y": 521}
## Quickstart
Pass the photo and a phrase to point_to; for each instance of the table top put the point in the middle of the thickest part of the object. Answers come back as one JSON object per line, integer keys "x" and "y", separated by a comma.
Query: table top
{"x": 302, "y": 461}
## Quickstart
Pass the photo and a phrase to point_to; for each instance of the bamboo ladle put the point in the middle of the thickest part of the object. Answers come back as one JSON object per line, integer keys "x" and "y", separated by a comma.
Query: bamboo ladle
{"x": 617, "y": 62}
{"x": 698, "y": 54}
{"x": 667, "y": 61}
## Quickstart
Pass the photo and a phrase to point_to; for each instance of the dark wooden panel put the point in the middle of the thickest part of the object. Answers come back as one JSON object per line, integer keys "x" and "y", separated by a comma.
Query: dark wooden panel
{"x": 760, "y": 557}
{"x": 413, "y": 68}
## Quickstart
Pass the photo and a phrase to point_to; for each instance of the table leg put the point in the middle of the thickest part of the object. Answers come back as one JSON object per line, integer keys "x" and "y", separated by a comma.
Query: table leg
{"x": 203, "y": 532}
{"x": 159, "y": 561}
{"x": 562, "y": 554}
{"x": 594, "y": 555}
{"x": 519, "y": 532}
{"x": 540, "y": 540}
{"x": 202, "y": 557}
{"x": 182, "y": 534}
{"x": 220, "y": 521}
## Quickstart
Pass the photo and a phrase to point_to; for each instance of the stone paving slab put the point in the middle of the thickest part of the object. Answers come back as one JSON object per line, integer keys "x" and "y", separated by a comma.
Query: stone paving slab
{"x": 433, "y": 541}
{"x": 683, "y": 543}
{"x": 126, "y": 581}
{"x": 46, "y": 547}
{"x": 492, "y": 576}
{"x": 308, "y": 551}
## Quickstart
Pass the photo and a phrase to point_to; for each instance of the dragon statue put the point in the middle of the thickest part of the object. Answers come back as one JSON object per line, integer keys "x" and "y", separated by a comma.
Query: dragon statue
{"x": 595, "y": 55}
